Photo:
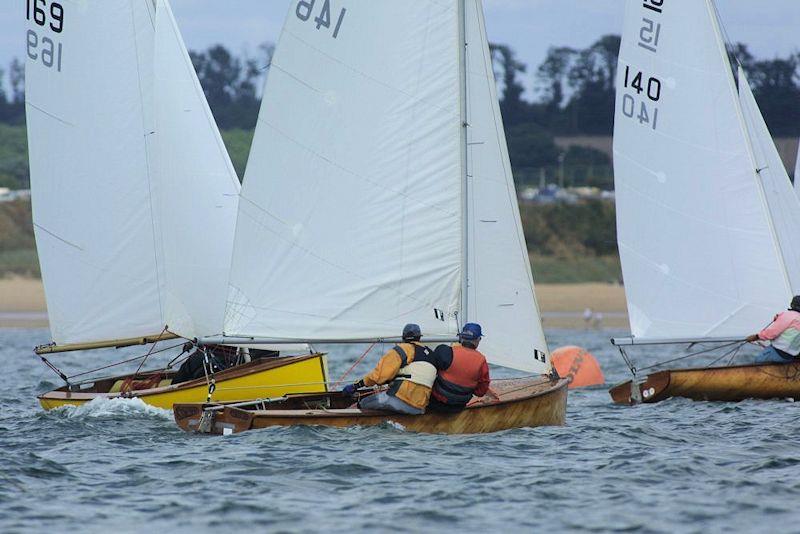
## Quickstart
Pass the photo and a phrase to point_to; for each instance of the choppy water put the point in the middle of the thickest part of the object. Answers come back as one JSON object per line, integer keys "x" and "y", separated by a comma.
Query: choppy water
{"x": 124, "y": 467}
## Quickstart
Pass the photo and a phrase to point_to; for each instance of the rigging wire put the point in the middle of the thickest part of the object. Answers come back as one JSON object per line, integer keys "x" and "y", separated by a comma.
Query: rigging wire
{"x": 358, "y": 361}
{"x": 735, "y": 344}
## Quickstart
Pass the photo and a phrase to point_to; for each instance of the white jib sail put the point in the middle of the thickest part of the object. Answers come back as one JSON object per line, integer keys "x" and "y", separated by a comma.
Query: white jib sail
{"x": 501, "y": 295}
{"x": 197, "y": 190}
{"x": 784, "y": 206}
{"x": 699, "y": 254}
{"x": 88, "y": 87}
{"x": 350, "y": 215}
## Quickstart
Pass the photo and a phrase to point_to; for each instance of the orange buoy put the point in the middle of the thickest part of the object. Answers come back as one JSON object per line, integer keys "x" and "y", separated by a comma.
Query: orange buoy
{"x": 577, "y": 363}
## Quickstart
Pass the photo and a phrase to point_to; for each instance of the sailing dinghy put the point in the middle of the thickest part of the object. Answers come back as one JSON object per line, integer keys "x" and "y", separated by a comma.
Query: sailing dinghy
{"x": 134, "y": 200}
{"x": 707, "y": 220}
{"x": 381, "y": 118}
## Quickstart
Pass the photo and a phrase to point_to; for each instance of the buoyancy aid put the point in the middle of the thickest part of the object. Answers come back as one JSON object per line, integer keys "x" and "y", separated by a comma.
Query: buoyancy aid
{"x": 456, "y": 384}
{"x": 413, "y": 382}
{"x": 421, "y": 369}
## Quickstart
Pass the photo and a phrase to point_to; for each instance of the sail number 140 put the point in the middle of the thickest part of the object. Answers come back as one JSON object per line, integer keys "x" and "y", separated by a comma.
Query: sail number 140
{"x": 305, "y": 8}
{"x": 636, "y": 106}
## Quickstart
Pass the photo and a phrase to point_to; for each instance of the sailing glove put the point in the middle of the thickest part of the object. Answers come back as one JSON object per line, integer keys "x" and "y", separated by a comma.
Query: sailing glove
{"x": 350, "y": 389}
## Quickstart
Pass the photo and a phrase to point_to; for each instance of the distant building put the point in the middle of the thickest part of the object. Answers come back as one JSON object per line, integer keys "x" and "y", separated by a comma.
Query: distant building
{"x": 552, "y": 194}
{"x": 10, "y": 195}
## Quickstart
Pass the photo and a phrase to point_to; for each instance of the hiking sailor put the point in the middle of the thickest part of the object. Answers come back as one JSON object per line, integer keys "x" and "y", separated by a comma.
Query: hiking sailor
{"x": 463, "y": 374}
{"x": 409, "y": 368}
{"x": 784, "y": 335}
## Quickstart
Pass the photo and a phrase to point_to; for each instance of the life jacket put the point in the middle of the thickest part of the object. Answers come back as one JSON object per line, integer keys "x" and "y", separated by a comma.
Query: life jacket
{"x": 456, "y": 385}
{"x": 421, "y": 369}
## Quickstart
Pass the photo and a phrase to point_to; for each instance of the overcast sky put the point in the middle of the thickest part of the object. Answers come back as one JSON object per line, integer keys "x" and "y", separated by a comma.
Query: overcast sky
{"x": 770, "y": 27}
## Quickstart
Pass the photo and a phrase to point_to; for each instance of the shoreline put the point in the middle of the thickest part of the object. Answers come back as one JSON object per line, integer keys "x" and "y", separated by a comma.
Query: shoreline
{"x": 22, "y": 304}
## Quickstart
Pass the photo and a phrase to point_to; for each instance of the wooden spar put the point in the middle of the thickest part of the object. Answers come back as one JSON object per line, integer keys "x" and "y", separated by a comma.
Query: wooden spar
{"x": 734, "y": 383}
{"x": 527, "y": 402}
{"x": 255, "y": 340}
{"x": 631, "y": 341}
{"x": 113, "y": 343}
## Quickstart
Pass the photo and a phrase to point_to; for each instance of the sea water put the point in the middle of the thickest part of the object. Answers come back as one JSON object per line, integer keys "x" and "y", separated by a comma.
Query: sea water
{"x": 122, "y": 466}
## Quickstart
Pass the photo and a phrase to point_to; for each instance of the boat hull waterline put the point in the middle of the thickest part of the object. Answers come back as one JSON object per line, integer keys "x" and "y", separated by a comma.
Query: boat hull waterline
{"x": 524, "y": 403}
{"x": 734, "y": 383}
{"x": 275, "y": 377}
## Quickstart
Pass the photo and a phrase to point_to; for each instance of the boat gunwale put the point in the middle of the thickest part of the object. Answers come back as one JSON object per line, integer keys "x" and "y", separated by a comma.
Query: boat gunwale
{"x": 552, "y": 386}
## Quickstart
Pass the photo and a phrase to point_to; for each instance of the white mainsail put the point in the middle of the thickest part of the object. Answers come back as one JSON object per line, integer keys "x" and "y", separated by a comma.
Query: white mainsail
{"x": 100, "y": 205}
{"x": 701, "y": 257}
{"x": 352, "y": 217}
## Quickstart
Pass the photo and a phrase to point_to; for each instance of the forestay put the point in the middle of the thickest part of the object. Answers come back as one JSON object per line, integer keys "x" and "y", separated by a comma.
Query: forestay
{"x": 699, "y": 252}
{"x": 98, "y": 199}
{"x": 352, "y": 218}
{"x": 501, "y": 295}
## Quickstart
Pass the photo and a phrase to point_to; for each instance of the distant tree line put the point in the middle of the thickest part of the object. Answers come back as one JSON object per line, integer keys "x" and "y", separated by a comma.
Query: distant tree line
{"x": 12, "y": 104}
{"x": 574, "y": 94}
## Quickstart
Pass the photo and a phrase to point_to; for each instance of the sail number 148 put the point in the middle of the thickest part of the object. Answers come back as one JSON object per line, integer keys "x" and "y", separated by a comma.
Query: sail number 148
{"x": 305, "y": 8}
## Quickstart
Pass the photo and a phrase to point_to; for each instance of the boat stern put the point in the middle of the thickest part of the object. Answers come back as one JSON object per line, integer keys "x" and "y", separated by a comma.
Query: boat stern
{"x": 212, "y": 419}
{"x": 651, "y": 390}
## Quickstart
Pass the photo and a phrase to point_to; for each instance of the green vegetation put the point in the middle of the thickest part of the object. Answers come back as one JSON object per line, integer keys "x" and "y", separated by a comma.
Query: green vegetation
{"x": 238, "y": 143}
{"x": 570, "y": 231}
{"x": 14, "y": 157}
{"x": 20, "y": 263}
{"x": 552, "y": 270}
{"x": 17, "y": 246}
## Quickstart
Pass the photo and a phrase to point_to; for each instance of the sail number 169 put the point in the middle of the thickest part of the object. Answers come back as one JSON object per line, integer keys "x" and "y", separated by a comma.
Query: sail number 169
{"x": 305, "y": 8}
{"x": 37, "y": 10}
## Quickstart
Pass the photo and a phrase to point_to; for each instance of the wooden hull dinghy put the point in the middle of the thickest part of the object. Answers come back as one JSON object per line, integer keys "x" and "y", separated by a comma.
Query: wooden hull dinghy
{"x": 734, "y": 383}
{"x": 526, "y": 402}
{"x": 273, "y": 377}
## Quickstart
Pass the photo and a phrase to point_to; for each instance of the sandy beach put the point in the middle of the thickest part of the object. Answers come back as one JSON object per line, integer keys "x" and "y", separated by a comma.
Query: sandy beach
{"x": 22, "y": 304}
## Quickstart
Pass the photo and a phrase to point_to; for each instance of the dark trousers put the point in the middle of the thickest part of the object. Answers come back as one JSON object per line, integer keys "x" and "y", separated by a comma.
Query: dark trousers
{"x": 441, "y": 407}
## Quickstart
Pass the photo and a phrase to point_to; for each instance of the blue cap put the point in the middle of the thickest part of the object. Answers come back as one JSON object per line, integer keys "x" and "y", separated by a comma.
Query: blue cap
{"x": 471, "y": 332}
{"x": 412, "y": 331}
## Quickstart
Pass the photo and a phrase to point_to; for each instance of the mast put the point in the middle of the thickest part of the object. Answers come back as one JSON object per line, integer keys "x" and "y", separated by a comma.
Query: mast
{"x": 464, "y": 125}
{"x": 715, "y": 23}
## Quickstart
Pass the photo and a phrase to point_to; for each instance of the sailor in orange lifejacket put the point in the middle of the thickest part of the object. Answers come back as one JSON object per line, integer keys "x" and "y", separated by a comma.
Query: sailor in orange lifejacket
{"x": 463, "y": 373}
{"x": 410, "y": 369}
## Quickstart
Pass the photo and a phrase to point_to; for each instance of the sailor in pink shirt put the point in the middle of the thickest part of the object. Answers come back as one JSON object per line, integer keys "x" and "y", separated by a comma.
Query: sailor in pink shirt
{"x": 783, "y": 334}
